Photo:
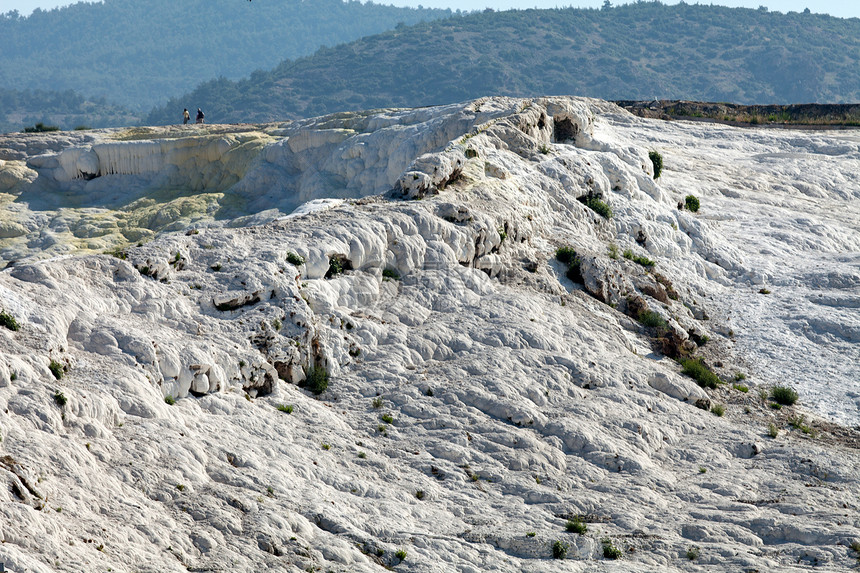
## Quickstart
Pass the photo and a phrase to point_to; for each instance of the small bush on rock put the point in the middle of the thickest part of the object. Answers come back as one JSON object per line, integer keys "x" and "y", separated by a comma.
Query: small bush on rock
{"x": 316, "y": 379}
{"x": 691, "y": 202}
{"x": 60, "y": 399}
{"x": 169, "y": 400}
{"x": 9, "y": 321}
{"x": 657, "y": 162}
{"x": 295, "y": 259}
{"x": 718, "y": 410}
{"x": 599, "y": 207}
{"x": 391, "y": 274}
{"x": 644, "y": 261}
{"x": 610, "y": 551}
{"x": 401, "y": 554}
{"x": 56, "y": 369}
{"x": 651, "y": 319}
{"x": 698, "y": 371}
{"x": 285, "y": 408}
{"x": 693, "y": 553}
{"x": 576, "y": 525}
{"x": 560, "y": 549}
{"x": 784, "y": 395}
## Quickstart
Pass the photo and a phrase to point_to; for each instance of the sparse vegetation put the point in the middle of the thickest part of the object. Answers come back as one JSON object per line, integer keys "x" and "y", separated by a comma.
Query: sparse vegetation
{"x": 391, "y": 274}
{"x": 295, "y": 259}
{"x": 531, "y": 534}
{"x": 56, "y": 369}
{"x": 698, "y": 371}
{"x": 169, "y": 400}
{"x": 9, "y": 321}
{"x": 378, "y": 402}
{"x": 41, "y": 128}
{"x": 544, "y": 149}
{"x": 599, "y": 206}
{"x": 799, "y": 423}
{"x": 609, "y": 550}
{"x": 387, "y": 418}
{"x": 285, "y": 408}
{"x": 576, "y": 525}
{"x": 691, "y": 202}
{"x": 60, "y": 399}
{"x": 739, "y": 376}
{"x": 718, "y": 410}
{"x": 419, "y": 494}
{"x": 640, "y": 260}
{"x": 613, "y": 251}
{"x": 651, "y": 319}
{"x": 568, "y": 256}
{"x": 326, "y": 447}
{"x": 560, "y": 549}
{"x": 784, "y": 395}
{"x": 772, "y": 430}
{"x": 764, "y": 291}
{"x": 657, "y": 162}
{"x": 362, "y": 455}
{"x": 400, "y": 554}
{"x": 180, "y": 487}
{"x": 693, "y": 553}
{"x": 741, "y": 388}
{"x": 316, "y": 379}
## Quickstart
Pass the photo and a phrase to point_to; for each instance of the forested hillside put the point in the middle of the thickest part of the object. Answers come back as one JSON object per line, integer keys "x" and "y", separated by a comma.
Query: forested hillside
{"x": 638, "y": 51}
{"x": 137, "y": 53}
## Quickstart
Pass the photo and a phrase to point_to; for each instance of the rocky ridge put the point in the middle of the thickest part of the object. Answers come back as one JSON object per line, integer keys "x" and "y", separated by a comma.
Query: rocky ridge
{"x": 165, "y": 406}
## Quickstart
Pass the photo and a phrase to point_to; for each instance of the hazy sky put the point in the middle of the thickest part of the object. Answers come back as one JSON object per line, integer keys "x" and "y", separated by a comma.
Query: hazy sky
{"x": 842, "y": 8}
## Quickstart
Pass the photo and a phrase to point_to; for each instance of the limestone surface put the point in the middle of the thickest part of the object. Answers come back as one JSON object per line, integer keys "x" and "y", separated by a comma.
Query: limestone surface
{"x": 407, "y": 339}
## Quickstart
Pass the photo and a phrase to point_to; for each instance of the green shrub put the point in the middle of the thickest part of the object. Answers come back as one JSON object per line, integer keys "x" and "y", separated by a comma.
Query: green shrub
{"x": 295, "y": 259}
{"x": 599, "y": 207}
{"x": 316, "y": 379}
{"x": 559, "y": 549}
{"x": 169, "y": 400}
{"x": 60, "y": 399}
{"x": 566, "y": 255}
{"x": 387, "y": 418}
{"x": 326, "y": 447}
{"x": 651, "y": 319}
{"x": 644, "y": 261}
{"x": 693, "y": 553}
{"x": 531, "y": 534}
{"x": 691, "y": 202}
{"x": 56, "y": 369}
{"x": 613, "y": 251}
{"x": 772, "y": 430}
{"x": 784, "y": 395}
{"x": 610, "y": 551}
{"x": 419, "y": 494}
{"x": 391, "y": 274}
{"x": 698, "y": 371}
{"x": 377, "y": 402}
{"x": 718, "y": 410}
{"x": 740, "y": 376}
{"x": 657, "y": 162}
{"x": 576, "y": 525}
{"x": 9, "y": 321}
{"x": 741, "y": 388}
{"x": 40, "y": 128}
{"x": 400, "y": 554}
{"x": 335, "y": 267}
{"x": 285, "y": 408}
{"x": 799, "y": 423}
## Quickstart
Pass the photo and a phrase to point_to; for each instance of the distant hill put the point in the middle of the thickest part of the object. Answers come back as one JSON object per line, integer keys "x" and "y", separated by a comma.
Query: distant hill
{"x": 138, "y": 53}
{"x": 638, "y": 51}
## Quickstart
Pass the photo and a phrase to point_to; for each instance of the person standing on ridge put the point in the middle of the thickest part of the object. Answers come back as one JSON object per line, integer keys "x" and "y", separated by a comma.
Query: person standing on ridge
{"x": 185, "y": 116}
{"x": 199, "y": 115}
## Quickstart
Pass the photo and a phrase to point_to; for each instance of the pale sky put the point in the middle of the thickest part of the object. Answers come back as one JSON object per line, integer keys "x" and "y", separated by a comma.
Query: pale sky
{"x": 841, "y": 8}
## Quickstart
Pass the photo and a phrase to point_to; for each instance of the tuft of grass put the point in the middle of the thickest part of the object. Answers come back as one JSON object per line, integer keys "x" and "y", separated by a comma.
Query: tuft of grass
{"x": 560, "y": 549}
{"x": 180, "y": 487}
{"x": 285, "y": 408}
{"x": 772, "y": 430}
{"x": 378, "y": 402}
{"x": 764, "y": 291}
{"x": 400, "y": 554}
{"x": 741, "y": 388}
{"x": 387, "y": 418}
{"x": 566, "y": 255}
{"x": 316, "y": 379}
{"x": 576, "y": 525}
{"x": 531, "y": 534}
{"x": 56, "y": 369}
{"x": 613, "y": 251}
{"x": 295, "y": 259}
{"x": 544, "y": 149}
{"x": 740, "y": 376}
{"x": 703, "y": 470}
{"x": 718, "y": 410}
{"x": 169, "y": 400}
{"x": 698, "y": 371}
{"x": 799, "y": 423}
{"x": 657, "y": 162}
{"x": 419, "y": 494}
{"x": 362, "y": 455}
{"x": 60, "y": 399}
{"x": 9, "y": 321}
{"x": 784, "y": 395}
{"x": 391, "y": 274}
{"x": 326, "y": 447}
{"x": 691, "y": 202}
{"x": 609, "y": 550}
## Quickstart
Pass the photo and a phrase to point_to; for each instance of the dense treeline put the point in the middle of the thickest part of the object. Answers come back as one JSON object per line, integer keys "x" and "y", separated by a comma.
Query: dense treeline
{"x": 140, "y": 52}
{"x": 638, "y": 51}
{"x": 67, "y": 110}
